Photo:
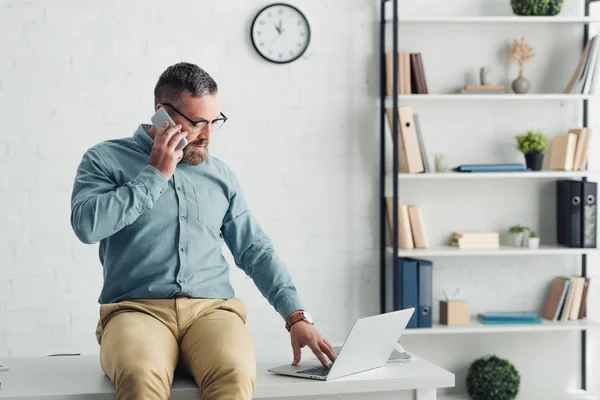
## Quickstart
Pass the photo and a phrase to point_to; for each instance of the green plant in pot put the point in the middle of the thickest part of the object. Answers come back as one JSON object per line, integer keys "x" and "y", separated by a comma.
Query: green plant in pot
{"x": 491, "y": 378}
{"x": 517, "y": 234}
{"x": 532, "y": 144}
{"x": 534, "y": 240}
{"x": 536, "y": 7}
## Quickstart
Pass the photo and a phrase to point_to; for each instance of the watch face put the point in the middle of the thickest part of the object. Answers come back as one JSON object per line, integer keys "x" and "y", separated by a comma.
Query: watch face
{"x": 280, "y": 33}
{"x": 308, "y": 317}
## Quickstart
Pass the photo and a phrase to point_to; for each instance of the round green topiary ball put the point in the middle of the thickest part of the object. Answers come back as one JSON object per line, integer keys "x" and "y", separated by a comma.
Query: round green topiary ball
{"x": 491, "y": 378}
{"x": 536, "y": 7}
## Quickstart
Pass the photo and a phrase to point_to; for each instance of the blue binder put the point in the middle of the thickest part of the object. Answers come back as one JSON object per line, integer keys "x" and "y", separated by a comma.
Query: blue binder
{"x": 406, "y": 291}
{"x": 425, "y": 296}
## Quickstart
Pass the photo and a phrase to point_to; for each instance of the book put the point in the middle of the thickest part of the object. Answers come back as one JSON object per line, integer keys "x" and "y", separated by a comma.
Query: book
{"x": 592, "y": 66}
{"x": 418, "y": 227}
{"x": 491, "y": 168}
{"x": 477, "y": 235}
{"x": 484, "y": 87}
{"x": 584, "y": 295}
{"x": 410, "y": 140}
{"x": 518, "y": 317}
{"x": 405, "y": 238}
{"x": 480, "y": 91}
{"x": 562, "y": 153}
{"x": 402, "y": 161}
{"x": 579, "y": 70}
{"x": 426, "y": 163}
{"x": 581, "y": 148}
{"x": 554, "y": 298}
{"x": 419, "y": 84}
{"x": 403, "y": 60}
{"x": 577, "y": 295}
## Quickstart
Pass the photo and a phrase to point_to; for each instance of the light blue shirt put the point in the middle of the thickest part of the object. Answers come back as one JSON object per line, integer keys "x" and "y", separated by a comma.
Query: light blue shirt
{"x": 160, "y": 238}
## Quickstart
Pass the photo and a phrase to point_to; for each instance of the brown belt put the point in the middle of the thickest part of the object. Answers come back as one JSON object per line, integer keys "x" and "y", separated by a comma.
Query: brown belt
{"x": 181, "y": 297}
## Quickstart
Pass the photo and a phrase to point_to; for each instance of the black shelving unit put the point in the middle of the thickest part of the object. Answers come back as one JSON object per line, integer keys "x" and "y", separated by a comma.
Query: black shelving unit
{"x": 394, "y": 132}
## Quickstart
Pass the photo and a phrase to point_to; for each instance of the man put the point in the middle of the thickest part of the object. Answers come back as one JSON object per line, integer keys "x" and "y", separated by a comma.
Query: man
{"x": 161, "y": 224}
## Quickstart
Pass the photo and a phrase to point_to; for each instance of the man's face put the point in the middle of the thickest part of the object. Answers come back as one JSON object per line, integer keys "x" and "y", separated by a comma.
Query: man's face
{"x": 196, "y": 108}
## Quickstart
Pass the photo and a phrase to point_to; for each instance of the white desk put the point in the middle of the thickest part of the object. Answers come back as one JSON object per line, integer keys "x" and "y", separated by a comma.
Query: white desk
{"x": 80, "y": 377}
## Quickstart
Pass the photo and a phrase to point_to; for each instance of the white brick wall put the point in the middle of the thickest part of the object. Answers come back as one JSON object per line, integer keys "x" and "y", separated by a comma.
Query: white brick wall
{"x": 73, "y": 73}
{"x": 303, "y": 139}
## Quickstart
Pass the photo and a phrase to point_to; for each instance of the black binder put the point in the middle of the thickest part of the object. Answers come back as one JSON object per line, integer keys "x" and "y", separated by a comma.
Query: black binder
{"x": 569, "y": 214}
{"x": 589, "y": 214}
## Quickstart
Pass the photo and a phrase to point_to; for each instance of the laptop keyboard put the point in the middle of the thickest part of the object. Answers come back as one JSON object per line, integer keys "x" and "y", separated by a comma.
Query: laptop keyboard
{"x": 318, "y": 371}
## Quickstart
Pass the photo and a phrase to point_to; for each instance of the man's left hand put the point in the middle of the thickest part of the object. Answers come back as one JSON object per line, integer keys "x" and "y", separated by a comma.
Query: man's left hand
{"x": 305, "y": 334}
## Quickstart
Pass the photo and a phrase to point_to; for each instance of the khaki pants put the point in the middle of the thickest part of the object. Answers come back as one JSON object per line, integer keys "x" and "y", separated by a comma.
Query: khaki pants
{"x": 142, "y": 342}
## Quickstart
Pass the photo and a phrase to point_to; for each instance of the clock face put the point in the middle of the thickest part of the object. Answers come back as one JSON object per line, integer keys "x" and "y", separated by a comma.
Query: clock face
{"x": 280, "y": 33}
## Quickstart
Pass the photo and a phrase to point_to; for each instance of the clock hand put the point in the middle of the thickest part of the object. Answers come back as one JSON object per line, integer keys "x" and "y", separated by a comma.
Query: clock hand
{"x": 278, "y": 29}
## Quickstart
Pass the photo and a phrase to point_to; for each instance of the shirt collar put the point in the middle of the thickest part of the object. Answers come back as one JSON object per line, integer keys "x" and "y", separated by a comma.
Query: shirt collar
{"x": 142, "y": 137}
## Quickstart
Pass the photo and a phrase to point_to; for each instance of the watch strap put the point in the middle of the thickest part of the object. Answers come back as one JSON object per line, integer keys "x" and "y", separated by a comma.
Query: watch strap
{"x": 294, "y": 319}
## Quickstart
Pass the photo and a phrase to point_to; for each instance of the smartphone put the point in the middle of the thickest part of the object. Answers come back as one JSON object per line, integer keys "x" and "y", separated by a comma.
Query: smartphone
{"x": 159, "y": 118}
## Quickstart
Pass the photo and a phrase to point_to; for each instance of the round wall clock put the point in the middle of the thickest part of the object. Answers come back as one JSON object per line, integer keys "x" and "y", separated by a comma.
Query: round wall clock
{"x": 280, "y": 33}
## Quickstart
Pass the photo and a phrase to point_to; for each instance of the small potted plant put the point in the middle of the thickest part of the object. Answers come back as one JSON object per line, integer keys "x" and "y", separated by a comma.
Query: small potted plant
{"x": 532, "y": 144}
{"x": 517, "y": 234}
{"x": 536, "y": 7}
{"x": 533, "y": 241}
{"x": 492, "y": 378}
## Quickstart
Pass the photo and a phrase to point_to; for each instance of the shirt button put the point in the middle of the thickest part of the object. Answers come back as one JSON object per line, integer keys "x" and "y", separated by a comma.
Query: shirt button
{"x": 183, "y": 217}
{"x": 183, "y": 249}
{"x": 179, "y": 188}
{"x": 180, "y": 280}
{"x": 140, "y": 211}
{"x": 162, "y": 190}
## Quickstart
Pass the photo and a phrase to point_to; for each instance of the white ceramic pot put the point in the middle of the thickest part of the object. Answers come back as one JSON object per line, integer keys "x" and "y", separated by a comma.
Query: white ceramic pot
{"x": 516, "y": 239}
{"x": 533, "y": 243}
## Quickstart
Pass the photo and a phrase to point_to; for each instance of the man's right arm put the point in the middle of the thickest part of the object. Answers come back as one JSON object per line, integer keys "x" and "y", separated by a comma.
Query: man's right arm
{"x": 100, "y": 208}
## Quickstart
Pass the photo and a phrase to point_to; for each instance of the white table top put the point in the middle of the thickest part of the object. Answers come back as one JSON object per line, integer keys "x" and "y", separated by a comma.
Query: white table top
{"x": 78, "y": 377}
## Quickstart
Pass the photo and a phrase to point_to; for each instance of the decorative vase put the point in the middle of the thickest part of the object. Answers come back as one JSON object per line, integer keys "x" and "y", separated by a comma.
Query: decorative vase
{"x": 484, "y": 76}
{"x": 533, "y": 242}
{"x": 521, "y": 84}
{"x": 536, "y": 7}
{"x": 534, "y": 161}
{"x": 516, "y": 239}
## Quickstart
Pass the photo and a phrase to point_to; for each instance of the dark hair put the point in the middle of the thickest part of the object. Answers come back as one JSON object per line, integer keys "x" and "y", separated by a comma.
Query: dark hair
{"x": 181, "y": 77}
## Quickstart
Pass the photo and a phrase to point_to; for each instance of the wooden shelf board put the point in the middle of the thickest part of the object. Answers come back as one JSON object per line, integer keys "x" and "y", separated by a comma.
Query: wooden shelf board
{"x": 498, "y": 19}
{"x": 478, "y": 327}
{"x": 495, "y": 97}
{"x": 448, "y": 251}
{"x": 497, "y": 175}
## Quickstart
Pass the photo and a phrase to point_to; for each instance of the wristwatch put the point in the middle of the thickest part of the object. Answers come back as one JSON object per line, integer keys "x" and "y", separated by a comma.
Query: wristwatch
{"x": 301, "y": 316}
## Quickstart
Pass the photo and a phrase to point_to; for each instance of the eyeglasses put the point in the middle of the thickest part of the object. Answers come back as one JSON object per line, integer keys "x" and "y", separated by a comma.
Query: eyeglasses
{"x": 199, "y": 125}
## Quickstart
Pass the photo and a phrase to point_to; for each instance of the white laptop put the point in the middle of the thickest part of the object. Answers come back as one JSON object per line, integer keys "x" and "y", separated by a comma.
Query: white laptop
{"x": 369, "y": 345}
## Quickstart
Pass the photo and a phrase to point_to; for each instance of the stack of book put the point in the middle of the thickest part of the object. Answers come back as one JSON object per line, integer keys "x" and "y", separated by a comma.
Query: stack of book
{"x": 411, "y": 228}
{"x": 475, "y": 240}
{"x": 509, "y": 318}
{"x": 411, "y": 74}
{"x": 569, "y": 152}
{"x": 583, "y": 80}
{"x": 412, "y": 157}
{"x": 566, "y": 299}
{"x": 481, "y": 89}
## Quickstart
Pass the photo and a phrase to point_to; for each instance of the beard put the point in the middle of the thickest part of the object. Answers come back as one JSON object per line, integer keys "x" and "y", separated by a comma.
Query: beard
{"x": 194, "y": 155}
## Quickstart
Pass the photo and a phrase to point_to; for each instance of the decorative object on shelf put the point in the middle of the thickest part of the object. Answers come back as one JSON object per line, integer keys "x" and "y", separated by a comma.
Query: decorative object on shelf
{"x": 484, "y": 76}
{"x": 522, "y": 52}
{"x": 280, "y": 33}
{"x": 532, "y": 144}
{"x": 481, "y": 168}
{"x": 440, "y": 162}
{"x": 454, "y": 310}
{"x": 492, "y": 378}
{"x": 536, "y": 8}
{"x": 533, "y": 242}
{"x": 517, "y": 234}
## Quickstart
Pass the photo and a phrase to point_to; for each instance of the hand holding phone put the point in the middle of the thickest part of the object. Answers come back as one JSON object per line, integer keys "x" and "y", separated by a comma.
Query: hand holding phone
{"x": 168, "y": 142}
{"x": 158, "y": 120}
